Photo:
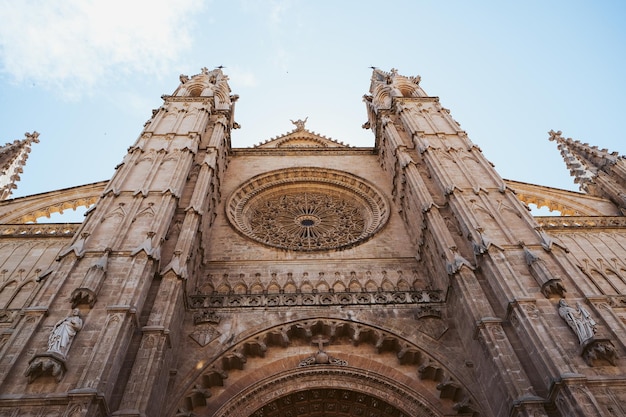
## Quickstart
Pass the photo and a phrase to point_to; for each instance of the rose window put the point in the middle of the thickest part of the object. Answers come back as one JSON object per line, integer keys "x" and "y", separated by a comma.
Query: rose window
{"x": 307, "y": 210}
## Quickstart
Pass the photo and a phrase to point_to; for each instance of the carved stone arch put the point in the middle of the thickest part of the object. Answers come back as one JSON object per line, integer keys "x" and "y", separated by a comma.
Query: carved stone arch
{"x": 403, "y": 285}
{"x": 240, "y": 288}
{"x": 387, "y": 285}
{"x": 273, "y": 287}
{"x": 371, "y": 286}
{"x": 30, "y": 208}
{"x": 166, "y": 123}
{"x": 354, "y": 285}
{"x": 305, "y": 141}
{"x": 207, "y": 288}
{"x": 417, "y": 284}
{"x": 601, "y": 282}
{"x": 358, "y": 392}
{"x": 306, "y": 286}
{"x": 224, "y": 288}
{"x": 148, "y": 156}
{"x": 290, "y": 287}
{"x": 616, "y": 280}
{"x": 339, "y": 286}
{"x": 381, "y": 97}
{"x": 256, "y": 288}
{"x": 322, "y": 286}
{"x": 6, "y": 293}
{"x": 252, "y": 366}
{"x": 22, "y": 294}
{"x": 568, "y": 203}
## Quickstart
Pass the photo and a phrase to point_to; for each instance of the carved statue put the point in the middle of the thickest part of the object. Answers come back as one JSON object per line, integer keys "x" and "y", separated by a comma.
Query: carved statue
{"x": 579, "y": 320}
{"x": 63, "y": 333}
{"x": 300, "y": 123}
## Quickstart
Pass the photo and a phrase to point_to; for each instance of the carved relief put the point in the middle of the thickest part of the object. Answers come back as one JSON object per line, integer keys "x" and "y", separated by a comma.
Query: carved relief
{"x": 321, "y": 357}
{"x": 307, "y": 210}
{"x": 321, "y": 333}
{"x": 327, "y": 298}
{"x": 204, "y": 335}
{"x": 595, "y": 351}
{"x": 579, "y": 320}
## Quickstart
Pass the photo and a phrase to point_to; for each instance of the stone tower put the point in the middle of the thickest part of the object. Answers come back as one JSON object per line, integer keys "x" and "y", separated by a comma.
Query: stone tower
{"x": 304, "y": 277}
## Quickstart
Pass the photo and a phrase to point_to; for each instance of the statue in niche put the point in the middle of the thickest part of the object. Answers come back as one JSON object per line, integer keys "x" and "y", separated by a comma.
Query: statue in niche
{"x": 579, "y": 320}
{"x": 63, "y": 333}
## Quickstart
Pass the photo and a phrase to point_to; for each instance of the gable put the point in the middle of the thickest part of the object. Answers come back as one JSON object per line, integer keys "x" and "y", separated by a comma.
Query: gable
{"x": 301, "y": 138}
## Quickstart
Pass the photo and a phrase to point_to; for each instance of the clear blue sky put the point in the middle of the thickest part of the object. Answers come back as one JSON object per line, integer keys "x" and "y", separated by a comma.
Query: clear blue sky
{"x": 86, "y": 74}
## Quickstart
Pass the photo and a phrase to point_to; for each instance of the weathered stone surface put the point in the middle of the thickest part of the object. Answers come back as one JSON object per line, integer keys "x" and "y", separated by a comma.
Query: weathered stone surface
{"x": 305, "y": 277}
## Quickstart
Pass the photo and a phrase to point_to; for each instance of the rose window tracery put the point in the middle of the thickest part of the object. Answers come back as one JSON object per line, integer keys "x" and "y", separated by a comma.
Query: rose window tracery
{"x": 307, "y": 209}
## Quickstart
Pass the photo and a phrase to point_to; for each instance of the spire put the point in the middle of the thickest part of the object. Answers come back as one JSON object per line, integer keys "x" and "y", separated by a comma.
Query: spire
{"x": 599, "y": 173}
{"x": 12, "y": 158}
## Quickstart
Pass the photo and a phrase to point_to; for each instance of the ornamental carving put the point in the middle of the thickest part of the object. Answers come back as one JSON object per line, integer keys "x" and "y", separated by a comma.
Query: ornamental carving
{"x": 307, "y": 209}
{"x": 316, "y": 299}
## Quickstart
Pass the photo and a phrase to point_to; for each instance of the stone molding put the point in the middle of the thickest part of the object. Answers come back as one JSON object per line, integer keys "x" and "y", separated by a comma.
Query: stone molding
{"x": 203, "y": 387}
{"x": 254, "y": 397}
{"x": 198, "y": 301}
{"x": 39, "y": 230}
{"x": 570, "y": 223}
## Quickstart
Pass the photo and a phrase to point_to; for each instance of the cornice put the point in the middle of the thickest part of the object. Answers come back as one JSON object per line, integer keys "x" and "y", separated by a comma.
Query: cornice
{"x": 302, "y": 151}
{"x": 571, "y": 223}
{"x": 43, "y": 230}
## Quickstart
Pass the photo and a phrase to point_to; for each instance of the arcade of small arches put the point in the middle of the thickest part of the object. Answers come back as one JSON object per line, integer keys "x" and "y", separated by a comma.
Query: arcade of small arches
{"x": 376, "y": 371}
{"x": 355, "y": 281}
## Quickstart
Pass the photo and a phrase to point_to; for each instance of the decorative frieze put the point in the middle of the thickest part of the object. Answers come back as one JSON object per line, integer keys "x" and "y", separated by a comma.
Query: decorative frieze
{"x": 314, "y": 299}
{"x": 39, "y": 230}
{"x": 580, "y": 222}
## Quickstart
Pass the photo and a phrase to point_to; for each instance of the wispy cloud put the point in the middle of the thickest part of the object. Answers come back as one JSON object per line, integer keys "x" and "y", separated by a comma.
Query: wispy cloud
{"x": 74, "y": 44}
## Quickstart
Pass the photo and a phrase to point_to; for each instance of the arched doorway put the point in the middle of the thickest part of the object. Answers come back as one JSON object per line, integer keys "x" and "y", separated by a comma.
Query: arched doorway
{"x": 327, "y": 402}
{"x": 328, "y": 391}
{"x": 366, "y": 368}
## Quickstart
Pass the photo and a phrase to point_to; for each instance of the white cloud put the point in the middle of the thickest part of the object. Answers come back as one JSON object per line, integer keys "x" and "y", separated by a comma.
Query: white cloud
{"x": 73, "y": 44}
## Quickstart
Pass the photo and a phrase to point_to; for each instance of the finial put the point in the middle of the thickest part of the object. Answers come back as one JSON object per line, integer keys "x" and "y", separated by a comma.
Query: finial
{"x": 554, "y": 135}
{"x": 33, "y": 137}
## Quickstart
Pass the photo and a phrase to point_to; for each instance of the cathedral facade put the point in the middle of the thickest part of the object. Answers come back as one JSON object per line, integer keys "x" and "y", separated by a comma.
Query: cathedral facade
{"x": 305, "y": 277}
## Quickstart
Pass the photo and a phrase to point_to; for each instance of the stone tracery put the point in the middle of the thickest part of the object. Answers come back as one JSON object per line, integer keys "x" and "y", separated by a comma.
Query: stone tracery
{"x": 307, "y": 209}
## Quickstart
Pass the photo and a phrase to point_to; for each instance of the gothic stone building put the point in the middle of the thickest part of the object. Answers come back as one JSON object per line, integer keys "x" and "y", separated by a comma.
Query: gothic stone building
{"x": 303, "y": 277}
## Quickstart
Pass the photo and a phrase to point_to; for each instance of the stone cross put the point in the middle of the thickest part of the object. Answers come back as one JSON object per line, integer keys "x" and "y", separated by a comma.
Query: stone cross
{"x": 320, "y": 341}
